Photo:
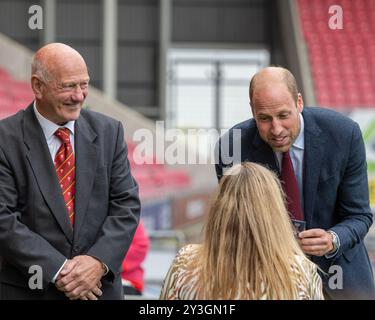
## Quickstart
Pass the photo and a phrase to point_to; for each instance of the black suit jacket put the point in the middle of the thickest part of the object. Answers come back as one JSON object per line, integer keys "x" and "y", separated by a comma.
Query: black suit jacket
{"x": 335, "y": 189}
{"x": 34, "y": 225}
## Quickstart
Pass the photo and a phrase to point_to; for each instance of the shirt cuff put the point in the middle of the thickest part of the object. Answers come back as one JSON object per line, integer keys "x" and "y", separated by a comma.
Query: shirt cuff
{"x": 57, "y": 273}
{"x": 106, "y": 269}
{"x": 332, "y": 254}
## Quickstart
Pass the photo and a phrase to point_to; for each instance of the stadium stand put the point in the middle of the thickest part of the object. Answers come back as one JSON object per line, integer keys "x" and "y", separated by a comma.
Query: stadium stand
{"x": 342, "y": 60}
{"x": 154, "y": 179}
{"x": 14, "y": 95}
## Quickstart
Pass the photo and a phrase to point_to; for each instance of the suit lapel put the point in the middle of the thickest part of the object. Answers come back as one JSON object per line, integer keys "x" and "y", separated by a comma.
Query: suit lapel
{"x": 313, "y": 156}
{"x": 86, "y": 153}
{"x": 44, "y": 170}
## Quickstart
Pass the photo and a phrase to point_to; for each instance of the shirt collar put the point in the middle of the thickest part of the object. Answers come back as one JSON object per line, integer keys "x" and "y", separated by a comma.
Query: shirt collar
{"x": 299, "y": 143}
{"x": 49, "y": 127}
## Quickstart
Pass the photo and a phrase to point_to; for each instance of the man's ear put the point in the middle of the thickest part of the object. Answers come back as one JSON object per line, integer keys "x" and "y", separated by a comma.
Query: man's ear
{"x": 299, "y": 103}
{"x": 36, "y": 86}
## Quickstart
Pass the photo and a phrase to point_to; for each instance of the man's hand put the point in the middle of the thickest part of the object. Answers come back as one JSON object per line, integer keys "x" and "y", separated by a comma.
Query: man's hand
{"x": 68, "y": 267}
{"x": 80, "y": 281}
{"x": 88, "y": 295}
{"x": 315, "y": 242}
{"x": 93, "y": 294}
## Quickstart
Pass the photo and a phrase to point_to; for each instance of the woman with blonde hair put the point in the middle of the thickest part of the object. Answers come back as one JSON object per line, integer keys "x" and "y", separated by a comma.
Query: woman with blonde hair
{"x": 249, "y": 250}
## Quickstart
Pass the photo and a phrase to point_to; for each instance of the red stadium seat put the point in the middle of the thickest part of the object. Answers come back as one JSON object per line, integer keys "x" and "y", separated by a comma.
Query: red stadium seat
{"x": 342, "y": 61}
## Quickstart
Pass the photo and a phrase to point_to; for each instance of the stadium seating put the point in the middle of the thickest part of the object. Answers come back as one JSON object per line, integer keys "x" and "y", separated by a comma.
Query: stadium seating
{"x": 155, "y": 180}
{"x": 342, "y": 60}
{"x": 14, "y": 95}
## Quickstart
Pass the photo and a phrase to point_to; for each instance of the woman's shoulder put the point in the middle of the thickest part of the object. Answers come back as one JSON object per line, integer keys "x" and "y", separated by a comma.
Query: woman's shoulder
{"x": 187, "y": 251}
{"x": 306, "y": 269}
{"x": 181, "y": 279}
{"x": 190, "y": 248}
{"x": 185, "y": 257}
{"x": 311, "y": 283}
{"x": 306, "y": 265}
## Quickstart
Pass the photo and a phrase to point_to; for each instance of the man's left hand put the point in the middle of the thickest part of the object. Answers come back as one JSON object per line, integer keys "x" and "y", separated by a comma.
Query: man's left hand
{"x": 315, "y": 242}
{"x": 82, "y": 279}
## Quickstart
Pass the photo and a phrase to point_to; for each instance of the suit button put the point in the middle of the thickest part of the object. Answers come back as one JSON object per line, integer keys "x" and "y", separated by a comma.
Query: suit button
{"x": 75, "y": 249}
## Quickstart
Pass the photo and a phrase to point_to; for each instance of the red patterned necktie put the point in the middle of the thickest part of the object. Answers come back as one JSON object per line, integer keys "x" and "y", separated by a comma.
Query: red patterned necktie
{"x": 291, "y": 187}
{"x": 65, "y": 169}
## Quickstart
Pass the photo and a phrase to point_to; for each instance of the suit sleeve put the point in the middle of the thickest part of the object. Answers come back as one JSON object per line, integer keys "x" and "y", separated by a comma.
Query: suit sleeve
{"x": 353, "y": 197}
{"x": 218, "y": 163}
{"x": 227, "y": 151}
{"x": 124, "y": 207}
{"x": 18, "y": 244}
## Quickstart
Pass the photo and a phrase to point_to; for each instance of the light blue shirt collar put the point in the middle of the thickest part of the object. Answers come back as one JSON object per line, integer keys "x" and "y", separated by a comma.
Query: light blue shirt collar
{"x": 298, "y": 144}
{"x": 49, "y": 127}
{"x": 300, "y": 141}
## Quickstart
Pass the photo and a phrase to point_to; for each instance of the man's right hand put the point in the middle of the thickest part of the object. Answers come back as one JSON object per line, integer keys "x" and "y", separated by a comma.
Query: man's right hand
{"x": 93, "y": 294}
{"x": 316, "y": 242}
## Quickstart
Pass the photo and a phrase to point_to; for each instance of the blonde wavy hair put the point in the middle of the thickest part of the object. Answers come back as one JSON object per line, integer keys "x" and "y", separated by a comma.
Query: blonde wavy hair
{"x": 249, "y": 248}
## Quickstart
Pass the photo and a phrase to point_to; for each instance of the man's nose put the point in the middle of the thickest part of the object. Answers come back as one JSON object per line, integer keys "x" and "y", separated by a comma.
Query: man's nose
{"x": 276, "y": 128}
{"x": 79, "y": 95}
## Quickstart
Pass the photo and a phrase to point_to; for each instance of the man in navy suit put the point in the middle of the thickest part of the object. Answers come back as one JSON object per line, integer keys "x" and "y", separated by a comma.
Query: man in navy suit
{"x": 329, "y": 163}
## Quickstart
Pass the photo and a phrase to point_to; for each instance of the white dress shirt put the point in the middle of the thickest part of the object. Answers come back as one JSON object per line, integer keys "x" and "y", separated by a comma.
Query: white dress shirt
{"x": 54, "y": 143}
{"x": 49, "y": 128}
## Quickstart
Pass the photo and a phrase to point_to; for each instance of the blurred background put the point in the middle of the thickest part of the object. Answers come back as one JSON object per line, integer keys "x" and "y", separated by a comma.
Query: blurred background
{"x": 188, "y": 63}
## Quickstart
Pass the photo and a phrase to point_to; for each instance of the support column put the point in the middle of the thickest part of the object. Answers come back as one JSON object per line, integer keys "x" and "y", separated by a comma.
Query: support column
{"x": 49, "y": 16}
{"x": 164, "y": 44}
{"x": 110, "y": 48}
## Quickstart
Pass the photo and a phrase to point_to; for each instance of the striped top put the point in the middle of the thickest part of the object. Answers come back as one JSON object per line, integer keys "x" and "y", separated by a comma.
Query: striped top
{"x": 181, "y": 282}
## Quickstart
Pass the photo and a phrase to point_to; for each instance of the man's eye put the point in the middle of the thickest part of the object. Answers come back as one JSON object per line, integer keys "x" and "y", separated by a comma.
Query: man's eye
{"x": 263, "y": 118}
{"x": 284, "y": 116}
{"x": 68, "y": 86}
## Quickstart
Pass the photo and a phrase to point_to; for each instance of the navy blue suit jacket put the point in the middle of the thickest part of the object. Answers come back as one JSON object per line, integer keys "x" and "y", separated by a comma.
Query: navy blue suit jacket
{"x": 335, "y": 190}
